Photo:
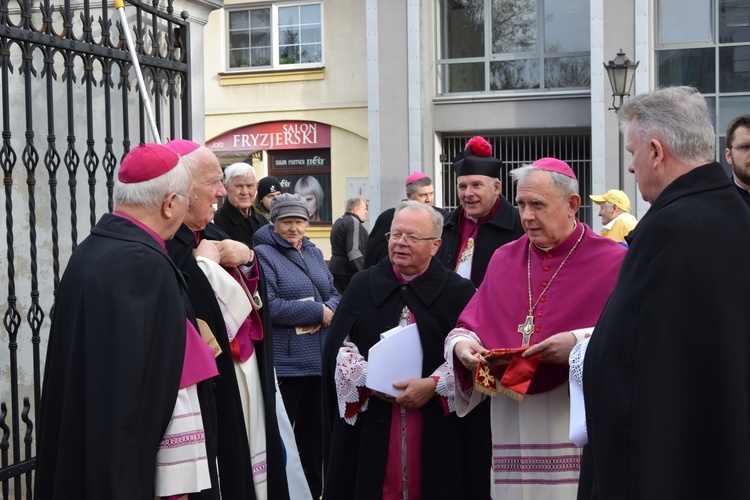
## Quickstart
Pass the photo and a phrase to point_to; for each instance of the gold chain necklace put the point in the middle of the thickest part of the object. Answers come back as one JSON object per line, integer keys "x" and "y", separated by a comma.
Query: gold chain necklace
{"x": 527, "y": 327}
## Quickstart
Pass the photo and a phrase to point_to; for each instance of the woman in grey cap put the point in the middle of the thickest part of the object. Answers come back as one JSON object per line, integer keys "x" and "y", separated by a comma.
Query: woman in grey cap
{"x": 302, "y": 301}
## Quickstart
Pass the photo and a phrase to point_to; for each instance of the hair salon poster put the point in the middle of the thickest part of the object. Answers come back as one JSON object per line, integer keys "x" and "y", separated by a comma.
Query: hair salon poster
{"x": 307, "y": 173}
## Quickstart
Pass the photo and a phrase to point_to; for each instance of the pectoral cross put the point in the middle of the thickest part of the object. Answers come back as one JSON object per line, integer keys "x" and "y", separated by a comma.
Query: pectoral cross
{"x": 526, "y": 329}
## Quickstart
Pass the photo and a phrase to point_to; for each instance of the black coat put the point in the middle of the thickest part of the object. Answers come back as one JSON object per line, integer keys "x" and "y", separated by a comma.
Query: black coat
{"x": 234, "y": 455}
{"x": 667, "y": 372}
{"x": 371, "y": 305}
{"x": 348, "y": 241}
{"x": 744, "y": 194}
{"x": 236, "y": 225}
{"x": 114, "y": 360}
{"x": 503, "y": 228}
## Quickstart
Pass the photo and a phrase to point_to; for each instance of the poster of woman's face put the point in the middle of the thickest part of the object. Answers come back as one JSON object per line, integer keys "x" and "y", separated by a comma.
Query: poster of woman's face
{"x": 306, "y": 173}
{"x": 311, "y": 190}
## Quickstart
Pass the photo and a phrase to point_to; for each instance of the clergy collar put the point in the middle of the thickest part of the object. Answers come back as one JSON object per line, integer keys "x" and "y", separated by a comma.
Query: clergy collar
{"x": 487, "y": 216}
{"x": 734, "y": 179}
{"x": 427, "y": 286}
{"x": 565, "y": 245}
{"x": 144, "y": 227}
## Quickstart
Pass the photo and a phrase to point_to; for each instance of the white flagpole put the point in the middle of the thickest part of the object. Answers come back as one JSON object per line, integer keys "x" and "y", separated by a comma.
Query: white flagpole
{"x": 120, "y": 7}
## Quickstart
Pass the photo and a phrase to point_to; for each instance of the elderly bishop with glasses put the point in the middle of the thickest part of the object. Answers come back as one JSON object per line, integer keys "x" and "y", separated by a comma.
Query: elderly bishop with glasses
{"x": 400, "y": 443}
{"x": 542, "y": 293}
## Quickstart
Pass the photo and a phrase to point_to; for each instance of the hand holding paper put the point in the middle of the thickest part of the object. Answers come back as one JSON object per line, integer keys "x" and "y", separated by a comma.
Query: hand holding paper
{"x": 396, "y": 358}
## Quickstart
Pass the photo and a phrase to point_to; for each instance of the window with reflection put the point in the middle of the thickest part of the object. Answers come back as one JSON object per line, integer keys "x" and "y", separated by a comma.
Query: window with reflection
{"x": 706, "y": 45}
{"x": 275, "y": 37}
{"x": 513, "y": 45}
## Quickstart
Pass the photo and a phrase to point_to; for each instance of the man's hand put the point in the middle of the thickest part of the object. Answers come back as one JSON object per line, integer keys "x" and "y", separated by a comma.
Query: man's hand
{"x": 207, "y": 249}
{"x": 555, "y": 349}
{"x": 417, "y": 392}
{"x": 468, "y": 352}
{"x": 233, "y": 253}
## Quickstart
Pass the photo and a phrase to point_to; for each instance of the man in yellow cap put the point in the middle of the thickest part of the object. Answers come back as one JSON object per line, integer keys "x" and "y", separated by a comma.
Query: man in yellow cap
{"x": 614, "y": 209}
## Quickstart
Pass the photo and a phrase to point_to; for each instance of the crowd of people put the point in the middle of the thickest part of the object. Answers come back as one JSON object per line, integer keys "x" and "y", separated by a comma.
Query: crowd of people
{"x": 198, "y": 353}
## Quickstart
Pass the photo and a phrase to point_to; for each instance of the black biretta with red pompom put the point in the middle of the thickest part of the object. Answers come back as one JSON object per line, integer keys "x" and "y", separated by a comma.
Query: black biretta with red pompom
{"x": 477, "y": 159}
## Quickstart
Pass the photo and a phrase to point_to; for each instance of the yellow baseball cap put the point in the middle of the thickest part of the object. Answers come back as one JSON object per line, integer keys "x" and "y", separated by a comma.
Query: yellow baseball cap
{"x": 615, "y": 197}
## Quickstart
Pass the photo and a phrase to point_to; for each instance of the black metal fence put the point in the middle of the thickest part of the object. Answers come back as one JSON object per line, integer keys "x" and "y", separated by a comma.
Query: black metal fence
{"x": 69, "y": 99}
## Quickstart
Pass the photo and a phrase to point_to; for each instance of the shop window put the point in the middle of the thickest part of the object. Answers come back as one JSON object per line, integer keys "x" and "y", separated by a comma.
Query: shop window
{"x": 506, "y": 46}
{"x": 277, "y": 36}
{"x": 307, "y": 173}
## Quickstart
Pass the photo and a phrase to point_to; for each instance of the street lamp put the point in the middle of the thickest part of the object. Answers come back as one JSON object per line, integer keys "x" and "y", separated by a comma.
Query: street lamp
{"x": 621, "y": 72}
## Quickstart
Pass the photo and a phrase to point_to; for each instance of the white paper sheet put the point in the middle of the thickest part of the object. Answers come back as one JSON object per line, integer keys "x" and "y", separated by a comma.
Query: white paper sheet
{"x": 395, "y": 358}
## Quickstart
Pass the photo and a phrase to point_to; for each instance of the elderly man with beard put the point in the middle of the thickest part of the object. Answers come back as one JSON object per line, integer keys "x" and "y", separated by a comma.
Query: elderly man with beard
{"x": 407, "y": 446}
{"x": 738, "y": 154}
{"x": 541, "y": 294}
{"x": 223, "y": 278}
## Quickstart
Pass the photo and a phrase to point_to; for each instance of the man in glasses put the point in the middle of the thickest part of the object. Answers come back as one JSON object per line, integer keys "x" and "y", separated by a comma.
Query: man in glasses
{"x": 738, "y": 154}
{"x": 391, "y": 446}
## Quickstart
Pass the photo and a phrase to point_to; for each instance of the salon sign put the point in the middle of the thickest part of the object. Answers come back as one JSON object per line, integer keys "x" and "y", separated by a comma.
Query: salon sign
{"x": 291, "y": 134}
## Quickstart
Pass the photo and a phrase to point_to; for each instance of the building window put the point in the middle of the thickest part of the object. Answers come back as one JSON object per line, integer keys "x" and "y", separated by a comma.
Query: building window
{"x": 283, "y": 36}
{"x": 707, "y": 45}
{"x": 513, "y": 45}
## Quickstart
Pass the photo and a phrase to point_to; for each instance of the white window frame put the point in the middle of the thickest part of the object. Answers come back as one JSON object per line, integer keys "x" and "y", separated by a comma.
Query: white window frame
{"x": 490, "y": 57}
{"x": 275, "y": 65}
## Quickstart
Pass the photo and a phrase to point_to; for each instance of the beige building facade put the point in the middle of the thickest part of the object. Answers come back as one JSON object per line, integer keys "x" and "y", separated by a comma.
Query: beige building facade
{"x": 401, "y": 85}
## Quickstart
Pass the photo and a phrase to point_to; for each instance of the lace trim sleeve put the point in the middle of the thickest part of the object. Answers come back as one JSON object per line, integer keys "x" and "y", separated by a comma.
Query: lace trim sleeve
{"x": 350, "y": 377}
{"x": 445, "y": 389}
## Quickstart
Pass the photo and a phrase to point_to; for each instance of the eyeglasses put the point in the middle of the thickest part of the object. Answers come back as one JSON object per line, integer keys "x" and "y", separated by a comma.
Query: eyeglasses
{"x": 744, "y": 149}
{"x": 192, "y": 197}
{"x": 409, "y": 239}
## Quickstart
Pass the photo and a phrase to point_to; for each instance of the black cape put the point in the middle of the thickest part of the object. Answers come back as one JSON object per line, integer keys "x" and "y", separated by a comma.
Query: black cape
{"x": 114, "y": 361}
{"x": 371, "y": 305}
{"x": 237, "y": 226}
{"x": 235, "y": 467}
{"x": 503, "y": 228}
{"x": 667, "y": 372}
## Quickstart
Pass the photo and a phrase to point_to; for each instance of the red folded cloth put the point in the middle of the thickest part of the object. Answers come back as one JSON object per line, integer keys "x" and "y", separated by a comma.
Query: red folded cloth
{"x": 507, "y": 372}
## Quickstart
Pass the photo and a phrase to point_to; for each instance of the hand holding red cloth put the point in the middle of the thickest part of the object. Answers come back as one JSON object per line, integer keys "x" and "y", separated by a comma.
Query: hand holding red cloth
{"x": 507, "y": 372}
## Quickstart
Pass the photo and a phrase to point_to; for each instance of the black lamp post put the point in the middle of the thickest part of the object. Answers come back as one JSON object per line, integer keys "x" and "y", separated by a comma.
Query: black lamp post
{"x": 621, "y": 72}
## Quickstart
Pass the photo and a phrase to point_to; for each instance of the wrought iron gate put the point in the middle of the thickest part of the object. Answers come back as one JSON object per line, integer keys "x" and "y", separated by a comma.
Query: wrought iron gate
{"x": 68, "y": 100}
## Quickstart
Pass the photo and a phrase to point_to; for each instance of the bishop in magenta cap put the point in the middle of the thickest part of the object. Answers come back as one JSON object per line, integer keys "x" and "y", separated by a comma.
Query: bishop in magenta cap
{"x": 146, "y": 162}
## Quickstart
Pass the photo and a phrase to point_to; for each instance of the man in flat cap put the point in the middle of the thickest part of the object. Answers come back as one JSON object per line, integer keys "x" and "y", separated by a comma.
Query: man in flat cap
{"x": 614, "y": 209}
{"x": 419, "y": 188}
{"x": 541, "y": 295}
{"x": 117, "y": 342}
{"x": 224, "y": 280}
{"x": 485, "y": 220}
